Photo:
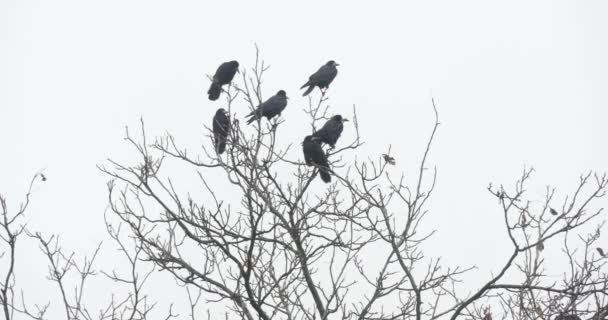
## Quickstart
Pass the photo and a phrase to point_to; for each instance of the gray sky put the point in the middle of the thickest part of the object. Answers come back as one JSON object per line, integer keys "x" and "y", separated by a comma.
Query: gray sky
{"x": 517, "y": 83}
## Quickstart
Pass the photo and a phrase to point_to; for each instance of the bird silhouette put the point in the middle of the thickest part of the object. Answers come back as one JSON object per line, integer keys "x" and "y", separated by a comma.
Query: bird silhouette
{"x": 322, "y": 78}
{"x": 269, "y": 108}
{"x": 331, "y": 130}
{"x": 314, "y": 155}
{"x": 221, "y": 128}
{"x": 223, "y": 75}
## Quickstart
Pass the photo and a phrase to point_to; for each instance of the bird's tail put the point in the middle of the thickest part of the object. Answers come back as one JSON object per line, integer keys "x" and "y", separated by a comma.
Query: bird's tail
{"x": 305, "y": 85}
{"x": 324, "y": 173}
{"x": 309, "y": 90}
{"x": 252, "y": 118}
{"x": 220, "y": 144}
{"x": 214, "y": 91}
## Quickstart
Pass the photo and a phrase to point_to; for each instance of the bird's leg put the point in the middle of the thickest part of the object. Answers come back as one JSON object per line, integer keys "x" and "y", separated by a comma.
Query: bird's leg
{"x": 274, "y": 125}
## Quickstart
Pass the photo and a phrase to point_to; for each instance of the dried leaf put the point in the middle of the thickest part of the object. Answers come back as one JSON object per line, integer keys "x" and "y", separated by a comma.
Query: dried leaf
{"x": 390, "y": 160}
{"x": 540, "y": 246}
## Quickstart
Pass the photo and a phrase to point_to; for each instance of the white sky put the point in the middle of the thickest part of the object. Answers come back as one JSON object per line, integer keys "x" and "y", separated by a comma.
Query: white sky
{"x": 517, "y": 83}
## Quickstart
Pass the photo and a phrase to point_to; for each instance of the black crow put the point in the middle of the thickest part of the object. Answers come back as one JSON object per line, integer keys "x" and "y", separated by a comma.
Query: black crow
{"x": 331, "y": 130}
{"x": 601, "y": 252}
{"x": 552, "y": 211}
{"x": 322, "y": 78}
{"x": 314, "y": 155}
{"x": 224, "y": 75}
{"x": 221, "y": 128}
{"x": 269, "y": 108}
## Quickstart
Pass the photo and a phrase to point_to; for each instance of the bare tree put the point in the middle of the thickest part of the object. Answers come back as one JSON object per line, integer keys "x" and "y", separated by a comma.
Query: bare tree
{"x": 13, "y": 226}
{"x": 273, "y": 246}
{"x": 71, "y": 278}
{"x": 266, "y": 242}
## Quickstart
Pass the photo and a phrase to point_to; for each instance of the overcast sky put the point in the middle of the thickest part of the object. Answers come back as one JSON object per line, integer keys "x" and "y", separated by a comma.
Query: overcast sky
{"x": 517, "y": 83}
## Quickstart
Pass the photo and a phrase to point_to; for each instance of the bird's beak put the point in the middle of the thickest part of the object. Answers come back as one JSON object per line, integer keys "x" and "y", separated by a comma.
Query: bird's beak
{"x": 344, "y": 120}
{"x": 238, "y": 71}
{"x": 337, "y": 64}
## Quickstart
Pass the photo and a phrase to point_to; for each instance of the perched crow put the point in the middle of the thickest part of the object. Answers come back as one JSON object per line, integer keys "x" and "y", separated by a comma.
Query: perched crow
{"x": 331, "y": 130}
{"x": 224, "y": 75}
{"x": 552, "y": 211}
{"x": 390, "y": 160}
{"x": 269, "y": 108}
{"x": 221, "y": 128}
{"x": 322, "y": 78}
{"x": 601, "y": 252}
{"x": 314, "y": 155}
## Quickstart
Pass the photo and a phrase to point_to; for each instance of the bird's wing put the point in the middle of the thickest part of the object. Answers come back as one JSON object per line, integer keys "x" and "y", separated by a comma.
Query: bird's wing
{"x": 221, "y": 124}
{"x": 225, "y": 73}
{"x": 259, "y": 110}
{"x": 221, "y": 69}
{"x": 216, "y": 125}
{"x": 273, "y": 105}
{"x": 225, "y": 67}
{"x": 332, "y": 127}
{"x": 264, "y": 106}
{"x": 323, "y": 74}
{"x": 317, "y": 75}
{"x": 225, "y": 122}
